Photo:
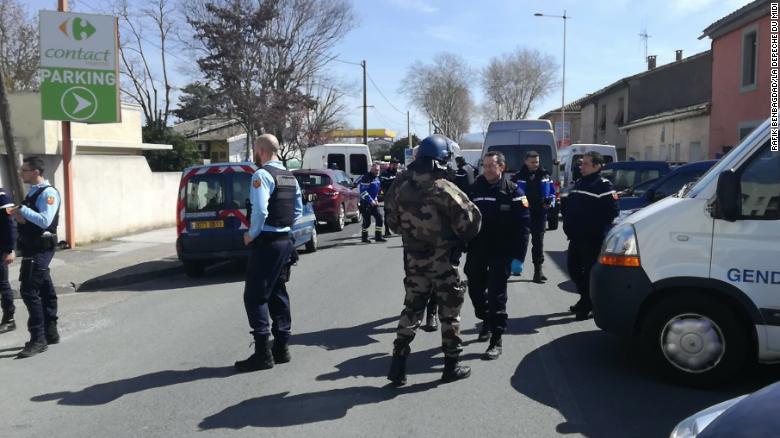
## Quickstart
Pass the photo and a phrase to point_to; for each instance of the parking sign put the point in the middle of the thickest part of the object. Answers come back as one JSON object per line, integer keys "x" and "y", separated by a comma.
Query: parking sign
{"x": 79, "y": 67}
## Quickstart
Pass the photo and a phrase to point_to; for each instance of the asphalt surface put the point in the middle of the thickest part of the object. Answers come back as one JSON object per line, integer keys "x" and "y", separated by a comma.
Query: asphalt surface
{"x": 155, "y": 359}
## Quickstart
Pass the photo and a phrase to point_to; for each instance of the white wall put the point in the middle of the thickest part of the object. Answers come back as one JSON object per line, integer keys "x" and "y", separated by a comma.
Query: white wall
{"x": 665, "y": 136}
{"x": 120, "y": 196}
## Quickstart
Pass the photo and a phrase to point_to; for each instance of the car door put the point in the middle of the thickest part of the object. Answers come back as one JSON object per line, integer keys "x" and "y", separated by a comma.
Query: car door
{"x": 744, "y": 252}
{"x": 349, "y": 192}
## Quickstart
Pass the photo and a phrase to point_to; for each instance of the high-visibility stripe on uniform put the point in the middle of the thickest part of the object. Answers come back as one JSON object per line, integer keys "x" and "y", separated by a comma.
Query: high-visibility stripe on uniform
{"x": 583, "y": 192}
{"x": 484, "y": 199}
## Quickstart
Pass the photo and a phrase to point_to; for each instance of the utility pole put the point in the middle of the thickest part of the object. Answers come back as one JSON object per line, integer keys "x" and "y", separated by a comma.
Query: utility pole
{"x": 365, "y": 105}
{"x": 12, "y": 162}
{"x": 408, "y": 130}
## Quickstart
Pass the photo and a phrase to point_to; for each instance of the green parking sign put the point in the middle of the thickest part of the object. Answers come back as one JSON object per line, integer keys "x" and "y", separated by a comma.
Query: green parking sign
{"x": 79, "y": 67}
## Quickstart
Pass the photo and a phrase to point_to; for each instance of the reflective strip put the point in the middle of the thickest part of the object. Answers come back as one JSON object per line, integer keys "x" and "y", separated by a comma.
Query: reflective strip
{"x": 519, "y": 198}
{"x": 483, "y": 199}
{"x": 583, "y": 192}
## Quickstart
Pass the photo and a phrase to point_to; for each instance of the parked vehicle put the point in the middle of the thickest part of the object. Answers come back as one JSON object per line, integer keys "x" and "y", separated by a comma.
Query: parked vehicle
{"x": 515, "y": 138}
{"x": 747, "y": 416}
{"x": 695, "y": 277}
{"x": 211, "y": 216}
{"x": 569, "y": 159}
{"x": 627, "y": 174}
{"x": 645, "y": 194}
{"x": 335, "y": 196}
{"x": 472, "y": 156}
{"x": 354, "y": 159}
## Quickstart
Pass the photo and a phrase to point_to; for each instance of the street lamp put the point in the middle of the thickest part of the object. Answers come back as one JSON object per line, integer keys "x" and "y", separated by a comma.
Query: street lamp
{"x": 563, "y": 82}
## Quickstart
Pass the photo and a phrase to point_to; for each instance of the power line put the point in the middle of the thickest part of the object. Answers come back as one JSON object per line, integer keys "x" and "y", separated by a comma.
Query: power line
{"x": 403, "y": 113}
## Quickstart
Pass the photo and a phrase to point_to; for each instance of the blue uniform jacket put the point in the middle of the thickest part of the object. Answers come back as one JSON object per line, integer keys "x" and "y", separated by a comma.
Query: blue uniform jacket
{"x": 370, "y": 186}
{"x": 538, "y": 187}
{"x": 48, "y": 204}
{"x": 259, "y": 193}
{"x": 505, "y": 218}
{"x": 590, "y": 208}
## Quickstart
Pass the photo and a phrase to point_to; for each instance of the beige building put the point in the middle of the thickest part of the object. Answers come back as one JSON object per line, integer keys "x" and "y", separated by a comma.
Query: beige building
{"x": 680, "y": 135}
{"x": 114, "y": 191}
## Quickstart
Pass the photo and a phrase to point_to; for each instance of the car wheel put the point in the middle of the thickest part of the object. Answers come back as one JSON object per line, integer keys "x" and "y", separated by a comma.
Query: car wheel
{"x": 694, "y": 340}
{"x": 338, "y": 224}
{"x": 358, "y": 216}
{"x": 311, "y": 245}
{"x": 194, "y": 269}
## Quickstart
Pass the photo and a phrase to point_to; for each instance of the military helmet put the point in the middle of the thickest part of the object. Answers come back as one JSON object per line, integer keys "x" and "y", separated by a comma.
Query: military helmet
{"x": 435, "y": 147}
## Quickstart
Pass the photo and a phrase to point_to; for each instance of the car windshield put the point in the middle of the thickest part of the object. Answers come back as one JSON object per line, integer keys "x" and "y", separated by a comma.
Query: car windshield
{"x": 626, "y": 178}
{"x": 205, "y": 193}
{"x": 515, "y": 155}
{"x": 642, "y": 187}
{"x": 312, "y": 180}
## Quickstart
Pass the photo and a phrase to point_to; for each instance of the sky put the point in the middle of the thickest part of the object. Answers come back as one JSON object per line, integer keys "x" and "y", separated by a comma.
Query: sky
{"x": 602, "y": 44}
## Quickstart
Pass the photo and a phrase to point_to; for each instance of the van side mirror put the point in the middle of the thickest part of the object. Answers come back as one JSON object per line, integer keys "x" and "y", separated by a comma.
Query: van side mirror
{"x": 727, "y": 196}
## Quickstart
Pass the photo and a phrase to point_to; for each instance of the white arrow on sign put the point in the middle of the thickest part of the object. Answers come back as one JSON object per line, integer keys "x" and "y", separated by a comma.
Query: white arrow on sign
{"x": 81, "y": 103}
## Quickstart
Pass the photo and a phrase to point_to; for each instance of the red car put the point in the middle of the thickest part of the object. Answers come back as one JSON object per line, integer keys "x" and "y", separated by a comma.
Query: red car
{"x": 336, "y": 198}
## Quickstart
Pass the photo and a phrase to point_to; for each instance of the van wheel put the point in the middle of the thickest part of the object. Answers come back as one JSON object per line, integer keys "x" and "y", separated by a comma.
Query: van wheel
{"x": 311, "y": 245}
{"x": 694, "y": 340}
{"x": 338, "y": 224}
{"x": 194, "y": 269}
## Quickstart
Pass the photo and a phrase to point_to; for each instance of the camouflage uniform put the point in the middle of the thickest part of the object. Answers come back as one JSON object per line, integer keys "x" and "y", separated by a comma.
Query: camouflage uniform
{"x": 434, "y": 219}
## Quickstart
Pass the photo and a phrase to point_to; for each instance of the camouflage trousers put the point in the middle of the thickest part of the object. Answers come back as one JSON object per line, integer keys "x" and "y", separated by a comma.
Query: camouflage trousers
{"x": 431, "y": 273}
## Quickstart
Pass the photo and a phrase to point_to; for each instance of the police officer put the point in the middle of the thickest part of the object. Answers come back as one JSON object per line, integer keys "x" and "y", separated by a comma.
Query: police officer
{"x": 386, "y": 179}
{"x": 590, "y": 209}
{"x": 7, "y": 245}
{"x": 276, "y": 205}
{"x": 502, "y": 239}
{"x": 535, "y": 181}
{"x": 464, "y": 174}
{"x": 434, "y": 219}
{"x": 369, "y": 187}
{"x": 37, "y": 220}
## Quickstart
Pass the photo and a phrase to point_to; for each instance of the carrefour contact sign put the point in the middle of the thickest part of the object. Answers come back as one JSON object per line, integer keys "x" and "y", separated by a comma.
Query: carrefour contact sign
{"x": 79, "y": 67}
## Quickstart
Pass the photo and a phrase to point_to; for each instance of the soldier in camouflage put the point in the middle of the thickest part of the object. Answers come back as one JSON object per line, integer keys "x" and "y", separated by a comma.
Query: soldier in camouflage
{"x": 435, "y": 219}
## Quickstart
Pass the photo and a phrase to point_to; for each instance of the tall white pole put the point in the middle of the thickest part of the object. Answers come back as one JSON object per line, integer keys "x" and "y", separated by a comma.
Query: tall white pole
{"x": 563, "y": 84}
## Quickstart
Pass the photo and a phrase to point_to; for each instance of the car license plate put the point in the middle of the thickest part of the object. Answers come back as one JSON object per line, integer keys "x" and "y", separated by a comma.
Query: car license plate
{"x": 203, "y": 225}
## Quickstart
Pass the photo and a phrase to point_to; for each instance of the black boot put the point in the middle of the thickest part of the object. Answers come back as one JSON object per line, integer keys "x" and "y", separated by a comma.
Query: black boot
{"x": 484, "y": 333}
{"x": 397, "y": 373}
{"x": 261, "y": 360}
{"x": 387, "y": 232}
{"x": 7, "y": 324}
{"x": 431, "y": 322}
{"x": 378, "y": 237}
{"x": 538, "y": 274}
{"x": 33, "y": 347}
{"x": 280, "y": 351}
{"x": 364, "y": 237}
{"x": 52, "y": 335}
{"x": 453, "y": 370}
{"x": 494, "y": 348}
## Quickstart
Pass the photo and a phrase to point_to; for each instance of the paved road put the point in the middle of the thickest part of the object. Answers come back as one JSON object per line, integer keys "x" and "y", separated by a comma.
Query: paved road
{"x": 156, "y": 360}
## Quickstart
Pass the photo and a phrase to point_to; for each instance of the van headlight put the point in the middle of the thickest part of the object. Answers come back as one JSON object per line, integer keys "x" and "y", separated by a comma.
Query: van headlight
{"x": 620, "y": 248}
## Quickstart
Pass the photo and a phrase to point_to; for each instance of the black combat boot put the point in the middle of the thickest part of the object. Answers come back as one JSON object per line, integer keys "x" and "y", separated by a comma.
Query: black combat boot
{"x": 494, "y": 348}
{"x": 261, "y": 360}
{"x": 484, "y": 333}
{"x": 431, "y": 322}
{"x": 387, "y": 232}
{"x": 453, "y": 370}
{"x": 364, "y": 237}
{"x": 52, "y": 335}
{"x": 33, "y": 347}
{"x": 397, "y": 373}
{"x": 280, "y": 351}
{"x": 378, "y": 237}
{"x": 7, "y": 324}
{"x": 538, "y": 274}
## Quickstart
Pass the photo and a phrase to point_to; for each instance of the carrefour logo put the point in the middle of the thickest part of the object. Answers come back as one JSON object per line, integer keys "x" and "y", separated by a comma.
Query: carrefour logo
{"x": 77, "y": 28}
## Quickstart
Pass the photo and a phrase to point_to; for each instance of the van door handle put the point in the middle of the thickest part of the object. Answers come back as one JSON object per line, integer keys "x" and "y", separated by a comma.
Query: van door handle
{"x": 683, "y": 237}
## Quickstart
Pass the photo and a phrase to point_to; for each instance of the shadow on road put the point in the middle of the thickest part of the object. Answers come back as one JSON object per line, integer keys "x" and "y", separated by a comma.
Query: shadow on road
{"x": 559, "y": 258}
{"x": 103, "y": 393}
{"x": 591, "y": 378}
{"x": 282, "y": 410}
{"x": 345, "y": 337}
{"x": 568, "y": 286}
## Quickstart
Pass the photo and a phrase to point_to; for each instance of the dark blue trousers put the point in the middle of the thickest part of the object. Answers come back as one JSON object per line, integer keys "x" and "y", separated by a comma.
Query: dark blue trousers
{"x": 38, "y": 292}
{"x": 538, "y": 226}
{"x": 6, "y": 294}
{"x": 265, "y": 293}
{"x": 487, "y": 275}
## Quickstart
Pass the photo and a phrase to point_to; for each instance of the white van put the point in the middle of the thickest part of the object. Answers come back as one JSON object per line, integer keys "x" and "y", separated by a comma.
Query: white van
{"x": 570, "y": 155}
{"x": 696, "y": 277}
{"x": 354, "y": 159}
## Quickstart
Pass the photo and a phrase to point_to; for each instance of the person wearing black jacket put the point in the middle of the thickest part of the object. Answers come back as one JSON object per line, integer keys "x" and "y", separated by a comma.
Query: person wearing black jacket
{"x": 7, "y": 246}
{"x": 386, "y": 179}
{"x": 502, "y": 241}
{"x": 590, "y": 209}
{"x": 464, "y": 174}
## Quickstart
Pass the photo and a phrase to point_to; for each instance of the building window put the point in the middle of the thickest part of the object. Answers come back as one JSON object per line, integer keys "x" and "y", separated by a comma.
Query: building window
{"x": 749, "y": 58}
{"x": 695, "y": 152}
{"x": 676, "y": 152}
{"x": 648, "y": 152}
{"x": 745, "y": 128}
{"x": 619, "y": 117}
{"x": 603, "y": 118}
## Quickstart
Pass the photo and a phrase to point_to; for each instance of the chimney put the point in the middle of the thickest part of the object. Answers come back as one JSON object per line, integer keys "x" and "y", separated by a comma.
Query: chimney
{"x": 678, "y": 55}
{"x": 651, "y": 62}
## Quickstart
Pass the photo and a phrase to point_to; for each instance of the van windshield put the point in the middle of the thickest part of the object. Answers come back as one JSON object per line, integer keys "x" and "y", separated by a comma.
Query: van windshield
{"x": 311, "y": 180}
{"x": 515, "y": 155}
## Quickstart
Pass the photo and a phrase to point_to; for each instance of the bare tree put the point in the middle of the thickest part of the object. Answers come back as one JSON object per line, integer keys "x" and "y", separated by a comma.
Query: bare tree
{"x": 441, "y": 90}
{"x": 513, "y": 83}
{"x": 146, "y": 39}
{"x": 18, "y": 47}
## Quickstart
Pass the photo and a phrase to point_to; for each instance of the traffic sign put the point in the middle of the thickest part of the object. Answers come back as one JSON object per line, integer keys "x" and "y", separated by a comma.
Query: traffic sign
{"x": 79, "y": 67}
